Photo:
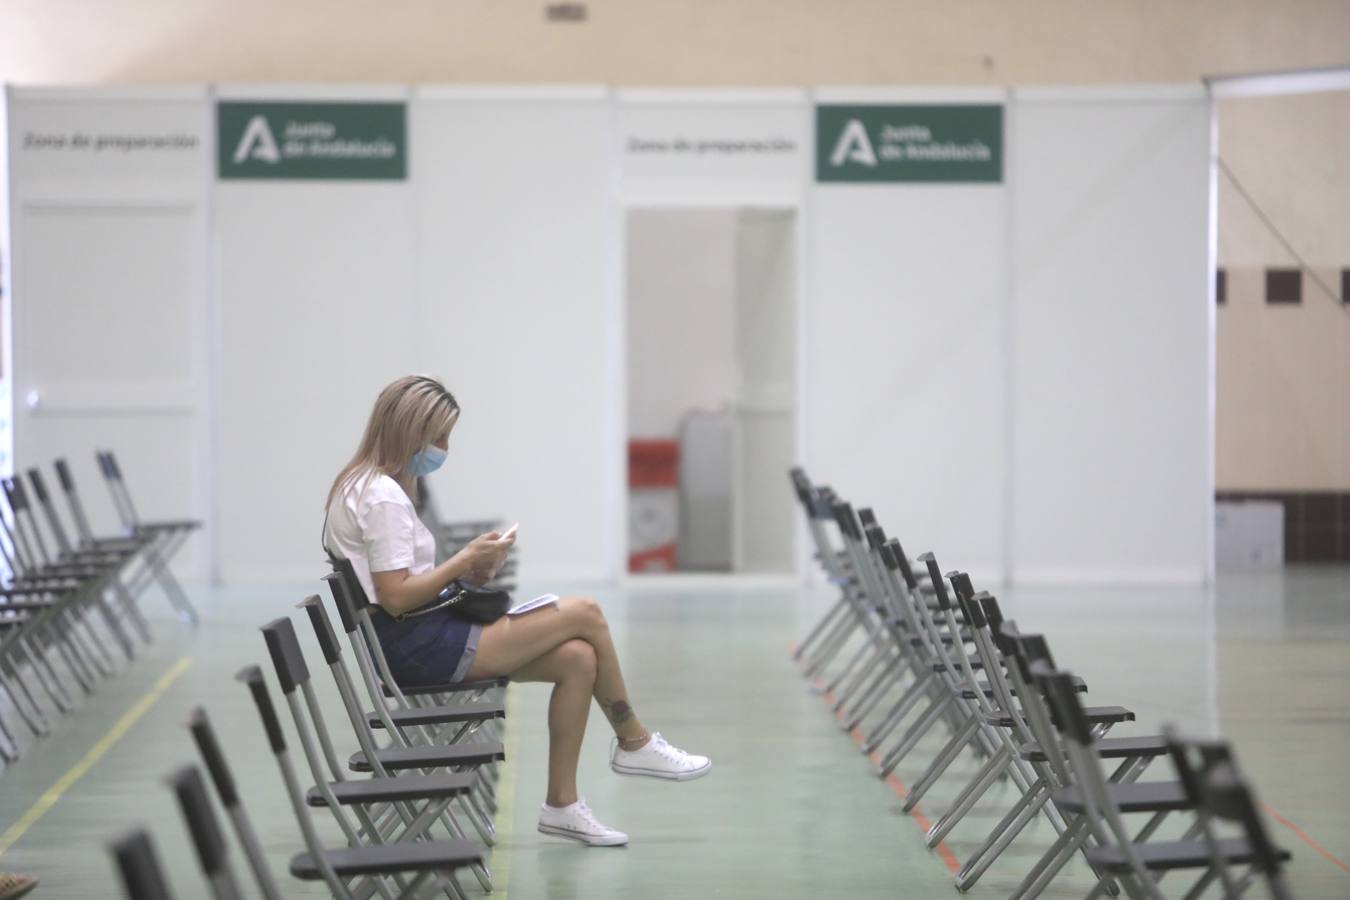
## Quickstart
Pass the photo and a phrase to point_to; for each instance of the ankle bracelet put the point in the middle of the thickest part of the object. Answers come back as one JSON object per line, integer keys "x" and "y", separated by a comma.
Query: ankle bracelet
{"x": 645, "y": 736}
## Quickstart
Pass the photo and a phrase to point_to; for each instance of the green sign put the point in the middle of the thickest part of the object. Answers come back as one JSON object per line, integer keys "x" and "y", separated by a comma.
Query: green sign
{"x": 312, "y": 140}
{"x": 870, "y": 143}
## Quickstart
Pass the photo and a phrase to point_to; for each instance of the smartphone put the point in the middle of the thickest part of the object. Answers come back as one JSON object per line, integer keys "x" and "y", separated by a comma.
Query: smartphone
{"x": 509, "y": 533}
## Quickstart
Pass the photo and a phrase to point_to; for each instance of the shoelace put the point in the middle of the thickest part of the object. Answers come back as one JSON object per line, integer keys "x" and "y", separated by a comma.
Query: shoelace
{"x": 661, "y": 746}
{"x": 584, "y": 813}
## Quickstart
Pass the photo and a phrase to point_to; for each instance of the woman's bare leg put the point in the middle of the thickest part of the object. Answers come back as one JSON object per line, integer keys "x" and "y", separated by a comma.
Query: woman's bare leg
{"x": 571, "y": 668}
{"x": 512, "y": 642}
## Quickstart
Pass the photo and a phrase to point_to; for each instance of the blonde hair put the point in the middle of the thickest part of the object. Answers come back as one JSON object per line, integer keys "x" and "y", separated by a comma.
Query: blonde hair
{"x": 409, "y": 414}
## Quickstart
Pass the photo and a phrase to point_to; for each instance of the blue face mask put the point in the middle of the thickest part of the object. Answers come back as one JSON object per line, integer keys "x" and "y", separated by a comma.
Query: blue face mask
{"x": 426, "y": 461}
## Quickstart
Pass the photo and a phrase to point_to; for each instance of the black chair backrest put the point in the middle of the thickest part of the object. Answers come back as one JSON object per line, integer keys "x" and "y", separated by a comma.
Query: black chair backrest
{"x": 207, "y": 746}
{"x": 1228, "y": 796}
{"x": 49, "y": 511}
{"x": 903, "y": 562}
{"x": 822, "y": 503}
{"x": 188, "y": 787}
{"x": 342, "y": 599}
{"x": 253, "y": 677}
{"x": 876, "y": 536}
{"x": 991, "y": 611}
{"x": 846, "y": 520}
{"x": 142, "y": 878}
{"x": 287, "y": 657}
{"x": 867, "y": 517}
{"x": 63, "y": 475}
{"x": 1069, "y": 716}
{"x": 109, "y": 464}
{"x": 15, "y": 495}
{"x": 323, "y": 629}
{"x": 935, "y": 575}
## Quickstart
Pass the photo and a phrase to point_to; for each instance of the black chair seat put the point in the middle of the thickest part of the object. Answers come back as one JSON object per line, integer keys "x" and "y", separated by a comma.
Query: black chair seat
{"x": 387, "y": 859}
{"x": 147, "y": 528}
{"x": 942, "y": 667}
{"x": 113, "y": 545}
{"x": 438, "y": 715}
{"x": 1162, "y": 856}
{"x": 1096, "y": 715}
{"x": 969, "y": 694}
{"x": 946, "y": 639}
{"x": 1109, "y": 748}
{"x": 405, "y": 787}
{"x": 455, "y": 687}
{"x": 1148, "y": 796}
{"x": 398, "y": 758}
{"x": 97, "y": 556}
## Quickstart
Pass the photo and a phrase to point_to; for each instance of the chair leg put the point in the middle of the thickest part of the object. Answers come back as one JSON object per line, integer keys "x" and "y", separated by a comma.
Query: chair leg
{"x": 940, "y": 764}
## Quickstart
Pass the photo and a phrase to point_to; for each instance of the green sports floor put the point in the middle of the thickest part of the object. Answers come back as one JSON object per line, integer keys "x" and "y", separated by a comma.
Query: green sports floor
{"x": 791, "y": 808}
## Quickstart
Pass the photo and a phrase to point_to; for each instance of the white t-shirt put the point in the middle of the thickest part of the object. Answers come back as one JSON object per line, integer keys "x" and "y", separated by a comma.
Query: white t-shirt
{"x": 374, "y": 524}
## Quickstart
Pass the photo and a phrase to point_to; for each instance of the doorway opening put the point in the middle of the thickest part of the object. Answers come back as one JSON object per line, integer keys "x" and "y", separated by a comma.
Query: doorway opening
{"x": 712, "y": 405}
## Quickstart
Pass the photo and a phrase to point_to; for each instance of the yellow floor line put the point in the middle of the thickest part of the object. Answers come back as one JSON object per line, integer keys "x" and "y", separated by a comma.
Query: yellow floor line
{"x": 500, "y": 863}
{"x": 105, "y": 743}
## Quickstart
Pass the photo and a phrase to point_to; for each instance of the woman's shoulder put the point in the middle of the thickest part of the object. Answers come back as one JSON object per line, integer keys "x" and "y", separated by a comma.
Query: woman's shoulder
{"x": 375, "y": 487}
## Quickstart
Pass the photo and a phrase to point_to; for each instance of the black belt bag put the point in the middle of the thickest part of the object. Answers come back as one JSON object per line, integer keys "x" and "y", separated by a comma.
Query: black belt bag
{"x": 468, "y": 602}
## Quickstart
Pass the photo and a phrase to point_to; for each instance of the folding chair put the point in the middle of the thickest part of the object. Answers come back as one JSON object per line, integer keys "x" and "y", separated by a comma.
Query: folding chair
{"x": 1213, "y": 786}
{"x": 1212, "y": 780}
{"x": 163, "y": 538}
{"x": 368, "y": 798}
{"x": 816, "y": 506}
{"x": 186, "y": 782}
{"x": 138, "y": 866}
{"x": 358, "y": 871}
{"x": 84, "y": 533}
{"x": 117, "y": 555}
{"x": 205, "y": 738}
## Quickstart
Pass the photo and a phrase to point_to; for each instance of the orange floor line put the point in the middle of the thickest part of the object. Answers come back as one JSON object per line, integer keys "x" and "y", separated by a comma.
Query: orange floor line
{"x": 1303, "y": 836}
{"x": 898, "y": 786}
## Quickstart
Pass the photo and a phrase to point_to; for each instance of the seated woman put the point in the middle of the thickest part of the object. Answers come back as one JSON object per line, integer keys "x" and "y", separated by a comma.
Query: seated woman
{"x": 371, "y": 521}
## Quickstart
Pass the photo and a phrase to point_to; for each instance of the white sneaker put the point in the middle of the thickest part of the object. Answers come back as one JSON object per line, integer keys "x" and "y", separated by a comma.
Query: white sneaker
{"x": 578, "y": 823}
{"x": 658, "y": 759}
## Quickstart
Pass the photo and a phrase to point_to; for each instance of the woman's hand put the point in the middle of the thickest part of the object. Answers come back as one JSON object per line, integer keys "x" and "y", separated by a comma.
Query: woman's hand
{"x": 484, "y": 555}
{"x": 399, "y": 591}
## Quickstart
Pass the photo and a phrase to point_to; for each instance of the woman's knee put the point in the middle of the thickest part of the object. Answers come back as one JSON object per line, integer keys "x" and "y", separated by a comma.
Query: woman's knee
{"x": 588, "y": 614}
{"x": 577, "y": 658}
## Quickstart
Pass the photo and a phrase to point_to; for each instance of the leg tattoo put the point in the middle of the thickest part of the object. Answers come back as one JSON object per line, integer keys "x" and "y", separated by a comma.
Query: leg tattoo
{"x": 617, "y": 711}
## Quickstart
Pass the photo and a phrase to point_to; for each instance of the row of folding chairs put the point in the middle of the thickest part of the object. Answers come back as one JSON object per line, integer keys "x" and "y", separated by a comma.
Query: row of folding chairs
{"x": 70, "y": 614}
{"x": 911, "y": 658}
{"x": 414, "y": 802}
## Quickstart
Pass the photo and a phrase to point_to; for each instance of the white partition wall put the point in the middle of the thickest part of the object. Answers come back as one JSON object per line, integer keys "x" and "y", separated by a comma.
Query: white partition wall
{"x": 109, "y": 224}
{"x": 317, "y": 310}
{"x": 1112, "y": 451}
{"x": 905, "y": 349}
{"x": 1014, "y": 369}
{"x": 517, "y": 241}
